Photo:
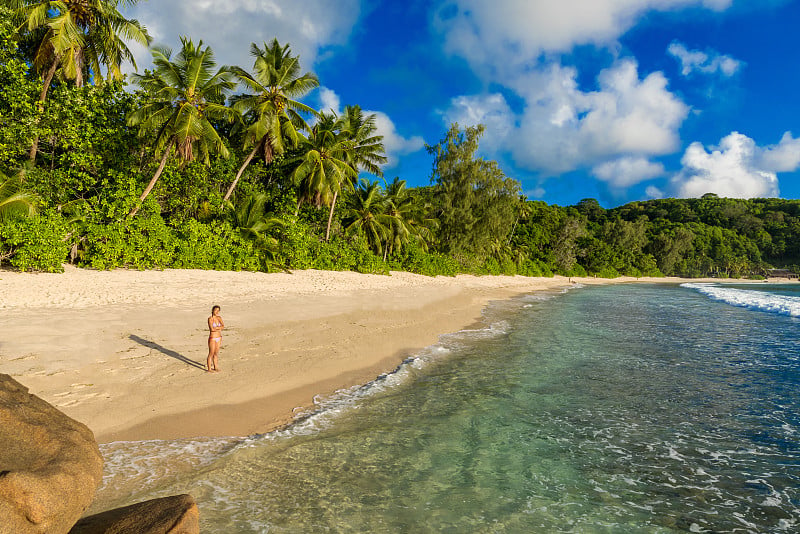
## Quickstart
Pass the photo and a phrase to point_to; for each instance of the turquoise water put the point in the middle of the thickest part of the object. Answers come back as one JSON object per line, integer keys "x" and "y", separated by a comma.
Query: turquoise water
{"x": 607, "y": 409}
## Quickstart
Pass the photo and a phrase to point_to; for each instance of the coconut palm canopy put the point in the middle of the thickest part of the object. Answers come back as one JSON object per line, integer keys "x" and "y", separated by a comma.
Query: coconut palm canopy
{"x": 184, "y": 96}
{"x": 81, "y": 37}
{"x": 270, "y": 108}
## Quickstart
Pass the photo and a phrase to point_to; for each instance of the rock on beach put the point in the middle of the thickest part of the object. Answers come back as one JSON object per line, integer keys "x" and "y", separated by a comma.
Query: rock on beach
{"x": 50, "y": 464}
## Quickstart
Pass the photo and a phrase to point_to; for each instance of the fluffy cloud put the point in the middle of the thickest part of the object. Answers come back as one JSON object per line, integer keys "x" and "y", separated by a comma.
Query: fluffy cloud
{"x": 626, "y": 171}
{"x": 563, "y": 128}
{"x": 230, "y": 26}
{"x": 653, "y": 192}
{"x": 329, "y": 100}
{"x": 491, "y": 110}
{"x": 536, "y": 192}
{"x": 783, "y": 157}
{"x": 702, "y": 62}
{"x": 736, "y": 168}
{"x": 395, "y": 144}
{"x": 506, "y": 33}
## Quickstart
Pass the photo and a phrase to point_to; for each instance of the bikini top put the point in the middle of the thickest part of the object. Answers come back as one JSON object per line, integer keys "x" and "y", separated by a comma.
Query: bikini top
{"x": 215, "y": 323}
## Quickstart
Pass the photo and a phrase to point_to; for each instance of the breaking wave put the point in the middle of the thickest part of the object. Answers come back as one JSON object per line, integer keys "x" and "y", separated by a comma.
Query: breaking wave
{"x": 754, "y": 300}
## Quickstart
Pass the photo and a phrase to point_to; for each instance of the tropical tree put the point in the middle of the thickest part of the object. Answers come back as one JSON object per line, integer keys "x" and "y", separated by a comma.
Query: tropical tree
{"x": 366, "y": 215}
{"x": 252, "y": 221}
{"x": 276, "y": 81}
{"x": 79, "y": 37}
{"x": 363, "y": 148}
{"x": 14, "y": 201}
{"x": 322, "y": 167}
{"x": 185, "y": 95}
{"x": 477, "y": 202}
{"x": 366, "y": 152}
{"x": 407, "y": 220}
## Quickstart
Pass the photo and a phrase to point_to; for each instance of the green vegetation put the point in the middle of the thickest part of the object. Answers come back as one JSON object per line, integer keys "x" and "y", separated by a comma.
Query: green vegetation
{"x": 224, "y": 168}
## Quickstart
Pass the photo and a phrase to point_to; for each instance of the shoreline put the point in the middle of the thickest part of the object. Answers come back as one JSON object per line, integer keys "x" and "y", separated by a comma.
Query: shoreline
{"x": 123, "y": 351}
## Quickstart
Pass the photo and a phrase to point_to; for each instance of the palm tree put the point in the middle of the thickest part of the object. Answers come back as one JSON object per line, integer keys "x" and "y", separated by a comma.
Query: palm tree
{"x": 366, "y": 214}
{"x": 322, "y": 169}
{"x": 363, "y": 149}
{"x": 80, "y": 37}
{"x": 366, "y": 152}
{"x": 14, "y": 202}
{"x": 184, "y": 97}
{"x": 407, "y": 218}
{"x": 252, "y": 222}
{"x": 276, "y": 81}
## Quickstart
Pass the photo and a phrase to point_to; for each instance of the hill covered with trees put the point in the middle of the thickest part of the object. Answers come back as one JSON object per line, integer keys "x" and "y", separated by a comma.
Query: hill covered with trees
{"x": 201, "y": 166}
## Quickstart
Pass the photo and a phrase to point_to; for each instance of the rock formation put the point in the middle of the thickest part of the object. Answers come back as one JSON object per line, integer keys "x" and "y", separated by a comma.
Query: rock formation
{"x": 50, "y": 465}
{"x": 169, "y": 515}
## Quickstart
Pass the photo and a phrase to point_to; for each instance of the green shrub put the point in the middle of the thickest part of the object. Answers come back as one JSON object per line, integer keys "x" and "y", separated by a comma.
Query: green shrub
{"x": 146, "y": 242}
{"x": 605, "y": 272}
{"x": 216, "y": 246}
{"x": 415, "y": 260}
{"x": 35, "y": 243}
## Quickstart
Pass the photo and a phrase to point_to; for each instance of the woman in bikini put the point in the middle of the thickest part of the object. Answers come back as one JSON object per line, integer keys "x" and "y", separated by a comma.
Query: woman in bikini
{"x": 215, "y": 326}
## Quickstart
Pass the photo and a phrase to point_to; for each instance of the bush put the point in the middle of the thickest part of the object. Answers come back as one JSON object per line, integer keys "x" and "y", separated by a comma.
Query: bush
{"x": 145, "y": 242}
{"x": 216, "y": 246}
{"x": 535, "y": 268}
{"x": 606, "y": 272}
{"x": 413, "y": 259}
{"x": 36, "y": 243}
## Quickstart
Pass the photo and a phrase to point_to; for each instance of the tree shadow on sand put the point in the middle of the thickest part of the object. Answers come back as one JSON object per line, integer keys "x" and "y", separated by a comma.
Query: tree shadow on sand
{"x": 163, "y": 350}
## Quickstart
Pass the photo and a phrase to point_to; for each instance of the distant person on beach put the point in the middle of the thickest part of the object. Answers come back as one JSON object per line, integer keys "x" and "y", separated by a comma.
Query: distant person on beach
{"x": 215, "y": 326}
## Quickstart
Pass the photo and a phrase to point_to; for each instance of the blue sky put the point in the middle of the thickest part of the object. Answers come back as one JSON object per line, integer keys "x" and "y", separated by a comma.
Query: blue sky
{"x": 619, "y": 100}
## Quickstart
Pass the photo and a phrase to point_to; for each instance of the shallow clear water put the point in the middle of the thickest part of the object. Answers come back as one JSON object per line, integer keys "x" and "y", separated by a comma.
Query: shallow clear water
{"x": 607, "y": 409}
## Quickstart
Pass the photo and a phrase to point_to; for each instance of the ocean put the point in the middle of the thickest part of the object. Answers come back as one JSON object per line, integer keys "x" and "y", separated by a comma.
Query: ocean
{"x": 628, "y": 408}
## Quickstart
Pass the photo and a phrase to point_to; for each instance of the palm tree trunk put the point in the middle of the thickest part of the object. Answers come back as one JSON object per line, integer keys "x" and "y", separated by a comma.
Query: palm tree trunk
{"x": 513, "y": 229}
{"x": 330, "y": 218}
{"x": 239, "y": 174}
{"x": 152, "y": 181}
{"x": 42, "y": 97}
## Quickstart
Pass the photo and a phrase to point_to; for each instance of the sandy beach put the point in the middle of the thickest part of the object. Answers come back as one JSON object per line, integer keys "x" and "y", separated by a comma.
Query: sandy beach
{"x": 124, "y": 351}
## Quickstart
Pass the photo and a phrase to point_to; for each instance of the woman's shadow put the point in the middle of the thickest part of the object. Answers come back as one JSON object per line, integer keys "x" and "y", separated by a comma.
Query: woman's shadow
{"x": 163, "y": 350}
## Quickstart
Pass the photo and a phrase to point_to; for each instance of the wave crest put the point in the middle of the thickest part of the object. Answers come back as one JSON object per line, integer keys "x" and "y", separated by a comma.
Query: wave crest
{"x": 755, "y": 300}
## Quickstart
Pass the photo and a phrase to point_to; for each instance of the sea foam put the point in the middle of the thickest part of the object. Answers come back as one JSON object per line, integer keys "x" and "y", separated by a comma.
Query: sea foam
{"x": 756, "y": 300}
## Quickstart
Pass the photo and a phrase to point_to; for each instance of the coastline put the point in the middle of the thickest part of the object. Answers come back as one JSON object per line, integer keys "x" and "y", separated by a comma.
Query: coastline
{"x": 124, "y": 351}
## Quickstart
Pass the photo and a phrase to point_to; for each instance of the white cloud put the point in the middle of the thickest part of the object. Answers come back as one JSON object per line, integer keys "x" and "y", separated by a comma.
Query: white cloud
{"x": 395, "y": 144}
{"x": 783, "y": 157}
{"x": 563, "y": 128}
{"x": 494, "y": 36}
{"x": 491, "y": 110}
{"x": 653, "y": 192}
{"x": 626, "y": 171}
{"x": 616, "y": 128}
{"x": 536, "y": 192}
{"x": 705, "y": 63}
{"x": 329, "y": 101}
{"x": 736, "y": 168}
{"x": 230, "y": 26}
